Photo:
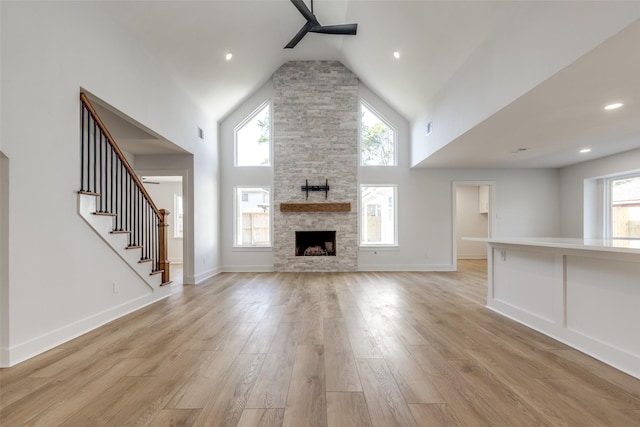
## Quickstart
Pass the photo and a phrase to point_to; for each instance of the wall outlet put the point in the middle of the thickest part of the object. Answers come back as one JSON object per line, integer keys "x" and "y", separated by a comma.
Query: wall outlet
{"x": 116, "y": 288}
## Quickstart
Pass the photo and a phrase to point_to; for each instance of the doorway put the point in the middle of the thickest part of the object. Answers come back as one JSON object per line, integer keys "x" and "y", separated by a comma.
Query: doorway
{"x": 472, "y": 208}
{"x": 167, "y": 192}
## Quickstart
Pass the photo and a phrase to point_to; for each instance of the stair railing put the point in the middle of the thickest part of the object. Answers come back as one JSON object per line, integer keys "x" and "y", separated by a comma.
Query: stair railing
{"x": 106, "y": 174}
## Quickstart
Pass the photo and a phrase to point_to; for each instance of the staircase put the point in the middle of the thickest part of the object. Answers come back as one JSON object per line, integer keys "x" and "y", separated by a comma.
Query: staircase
{"x": 113, "y": 201}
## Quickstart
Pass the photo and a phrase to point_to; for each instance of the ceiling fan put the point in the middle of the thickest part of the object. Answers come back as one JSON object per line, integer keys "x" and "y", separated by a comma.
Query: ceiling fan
{"x": 145, "y": 180}
{"x": 313, "y": 26}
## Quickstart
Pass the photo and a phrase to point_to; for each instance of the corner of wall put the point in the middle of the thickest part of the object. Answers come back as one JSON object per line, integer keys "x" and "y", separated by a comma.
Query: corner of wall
{"x": 4, "y": 260}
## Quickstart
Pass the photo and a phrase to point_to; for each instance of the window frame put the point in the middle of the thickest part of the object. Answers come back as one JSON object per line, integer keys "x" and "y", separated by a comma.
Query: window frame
{"x": 608, "y": 204}
{"x": 235, "y": 212}
{"x": 268, "y": 103}
{"x": 384, "y": 120}
{"x": 361, "y": 221}
{"x": 178, "y": 217}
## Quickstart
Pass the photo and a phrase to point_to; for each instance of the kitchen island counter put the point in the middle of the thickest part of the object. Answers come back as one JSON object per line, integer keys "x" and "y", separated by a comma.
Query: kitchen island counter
{"x": 583, "y": 292}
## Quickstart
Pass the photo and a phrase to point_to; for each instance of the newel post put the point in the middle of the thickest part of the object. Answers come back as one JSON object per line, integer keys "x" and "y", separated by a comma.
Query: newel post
{"x": 162, "y": 231}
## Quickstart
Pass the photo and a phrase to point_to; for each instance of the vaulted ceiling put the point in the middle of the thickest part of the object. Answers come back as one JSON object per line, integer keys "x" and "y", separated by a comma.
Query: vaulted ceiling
{"x": 436, "y": 40}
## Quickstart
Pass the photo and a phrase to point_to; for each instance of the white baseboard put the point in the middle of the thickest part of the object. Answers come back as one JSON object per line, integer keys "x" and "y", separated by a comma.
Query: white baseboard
{"x": 414, "y": 267}
{"x": 248, "y": 268}
{"x": 5, "y": 359}
{"x": 374, "y": 267}
{"x": 483, "y": 256}
{"x": 21, "y": 352}
{"x": 199, "y": 278}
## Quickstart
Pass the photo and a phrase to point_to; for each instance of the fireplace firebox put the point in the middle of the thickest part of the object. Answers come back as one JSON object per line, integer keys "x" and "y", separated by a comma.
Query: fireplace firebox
{"x": 315, "y": 243}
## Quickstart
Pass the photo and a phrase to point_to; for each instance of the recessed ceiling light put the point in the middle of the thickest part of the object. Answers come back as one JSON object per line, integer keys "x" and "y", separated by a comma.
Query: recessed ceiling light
{"x": 396, "y": 54}
{"x": 228, "y": 56}
{"x": 585, "y": 150}
{"x": 614, "y": 106}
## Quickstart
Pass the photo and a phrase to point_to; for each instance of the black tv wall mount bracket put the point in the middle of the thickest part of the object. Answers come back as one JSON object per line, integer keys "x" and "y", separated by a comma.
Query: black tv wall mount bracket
{"x": 306, "y": 188}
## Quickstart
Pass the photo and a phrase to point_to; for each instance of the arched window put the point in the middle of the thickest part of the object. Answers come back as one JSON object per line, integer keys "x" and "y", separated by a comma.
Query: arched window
{"x": 377, "y": 139}
{"x": 253, "y": 138}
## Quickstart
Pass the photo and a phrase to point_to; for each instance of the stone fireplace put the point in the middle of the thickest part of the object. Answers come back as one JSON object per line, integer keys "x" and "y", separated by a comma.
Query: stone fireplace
{"x": 315, "y": 129}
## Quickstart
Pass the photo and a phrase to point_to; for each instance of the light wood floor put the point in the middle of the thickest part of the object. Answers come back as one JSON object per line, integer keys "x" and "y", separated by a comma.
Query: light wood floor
{"x": 285, "y": 349}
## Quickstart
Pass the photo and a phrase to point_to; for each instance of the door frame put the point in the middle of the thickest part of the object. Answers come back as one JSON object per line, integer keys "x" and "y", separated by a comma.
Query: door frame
{"x": 188, "y": 263}
{"x": 454, "y": 213}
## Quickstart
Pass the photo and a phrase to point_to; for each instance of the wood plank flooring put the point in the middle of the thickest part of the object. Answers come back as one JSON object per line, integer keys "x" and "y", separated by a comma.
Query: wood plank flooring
{"x": 330, "y": 349}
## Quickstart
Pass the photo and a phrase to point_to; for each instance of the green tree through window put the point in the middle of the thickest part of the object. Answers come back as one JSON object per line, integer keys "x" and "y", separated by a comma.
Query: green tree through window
{"x": 377, "y": 139}
{"x": 252, "y": 138}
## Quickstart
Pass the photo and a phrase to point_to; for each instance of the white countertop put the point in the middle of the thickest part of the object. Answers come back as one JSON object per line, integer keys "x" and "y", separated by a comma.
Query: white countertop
{"x": 605, "y": 245}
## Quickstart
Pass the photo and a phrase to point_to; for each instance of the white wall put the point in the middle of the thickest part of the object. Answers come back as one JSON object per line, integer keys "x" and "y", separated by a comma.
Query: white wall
{"x": 574, "y": 193}
{"x": 506, "y": 67}
{"x": 526, "y": 202}
{"x": 470, "y": 223}
{"x": 241, "y": 259}
{"x": 61, "y": 277}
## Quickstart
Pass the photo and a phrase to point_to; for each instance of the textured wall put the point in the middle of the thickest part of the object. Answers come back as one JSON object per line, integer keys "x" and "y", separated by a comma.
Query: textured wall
{"x": 315, "y": 121}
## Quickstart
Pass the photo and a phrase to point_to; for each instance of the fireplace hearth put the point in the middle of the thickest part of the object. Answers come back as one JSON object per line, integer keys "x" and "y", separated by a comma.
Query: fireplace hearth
{"x": 315, "y": 243}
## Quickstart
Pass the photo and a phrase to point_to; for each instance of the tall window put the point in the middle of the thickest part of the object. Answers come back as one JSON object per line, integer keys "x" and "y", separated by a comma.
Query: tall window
{"x": 178, "y": 217}
{"x": 253, "y": 216}
{"x": 624, "y": 205}
{"x": 378, "y": 215}
{"x": 377, "y": 139}
{"x": 253, "y": 138}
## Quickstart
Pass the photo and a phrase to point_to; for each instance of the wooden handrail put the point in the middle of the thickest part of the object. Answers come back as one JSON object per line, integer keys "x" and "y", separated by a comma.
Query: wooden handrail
{"x": 116, "y": 149}
{"x": 162, "y": 262}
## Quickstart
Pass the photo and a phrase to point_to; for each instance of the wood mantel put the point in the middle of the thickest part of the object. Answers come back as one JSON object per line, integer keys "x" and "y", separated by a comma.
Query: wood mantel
{"x": 315, "y": 207}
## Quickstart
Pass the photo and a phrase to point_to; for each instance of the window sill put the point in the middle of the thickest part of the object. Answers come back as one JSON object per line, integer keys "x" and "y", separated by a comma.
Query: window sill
{"x": 252, "y": 248}
{"x": 374, "y": 248}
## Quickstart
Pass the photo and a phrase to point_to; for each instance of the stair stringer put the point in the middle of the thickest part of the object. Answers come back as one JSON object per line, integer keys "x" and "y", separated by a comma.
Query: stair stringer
{"x": 103, "y": 225}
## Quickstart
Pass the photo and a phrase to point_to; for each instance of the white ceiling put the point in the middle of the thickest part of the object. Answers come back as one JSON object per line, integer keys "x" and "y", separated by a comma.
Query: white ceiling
{"x": 561, "y": 116}
{"x": 435, "y": 38}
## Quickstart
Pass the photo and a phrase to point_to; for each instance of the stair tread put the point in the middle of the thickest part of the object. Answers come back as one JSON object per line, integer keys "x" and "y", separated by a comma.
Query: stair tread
{"x": 166, "y": 283}
{"x": 134, "y": 247}
{"x": 89, "y": 193}
{"x": 145, "y": 260}
{"x": 104, "y": 213}
{"x": 120, "y": 232}
{"x": 156, "y": 272}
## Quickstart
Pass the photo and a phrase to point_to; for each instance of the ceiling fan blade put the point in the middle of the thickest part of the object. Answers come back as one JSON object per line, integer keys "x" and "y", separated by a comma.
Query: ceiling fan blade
{"x": 296, "y": 39}
{"x": 304, "y": 10}
{"x": 345, "y": 29}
